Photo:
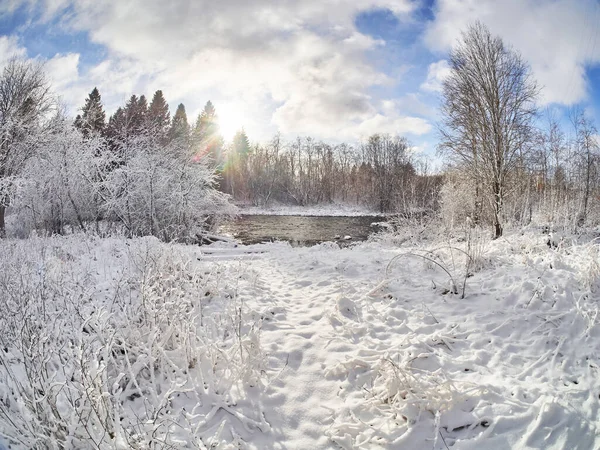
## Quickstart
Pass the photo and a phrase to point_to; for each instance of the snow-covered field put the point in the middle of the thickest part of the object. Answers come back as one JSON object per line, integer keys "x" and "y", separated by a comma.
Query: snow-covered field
{"x": 138, "y": 344}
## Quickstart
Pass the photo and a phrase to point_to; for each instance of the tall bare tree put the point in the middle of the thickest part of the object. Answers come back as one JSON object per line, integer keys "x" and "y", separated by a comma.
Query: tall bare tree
{"x": 487, "y": 112}
{"x": 25, "y": 101}
{"x": 586, "y": 146}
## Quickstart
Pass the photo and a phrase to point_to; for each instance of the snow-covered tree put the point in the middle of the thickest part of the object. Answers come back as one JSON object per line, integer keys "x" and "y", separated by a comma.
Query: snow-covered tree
{"x": 92, "y": 118}
{"x": 25, "y": 103}
{"x": 487, "y": 111}
{"x": 59, "y": 189}
{"x": 167, "y": 194}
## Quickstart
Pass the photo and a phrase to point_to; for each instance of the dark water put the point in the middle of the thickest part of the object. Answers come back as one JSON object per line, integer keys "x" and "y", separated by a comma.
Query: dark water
{"x": 300, "y": 230}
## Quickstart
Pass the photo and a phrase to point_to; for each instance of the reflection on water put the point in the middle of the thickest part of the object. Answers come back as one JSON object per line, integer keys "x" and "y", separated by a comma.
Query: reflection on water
{"x": 300, "y": 230}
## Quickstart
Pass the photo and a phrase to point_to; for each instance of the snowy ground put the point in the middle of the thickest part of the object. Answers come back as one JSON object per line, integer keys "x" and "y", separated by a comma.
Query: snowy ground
{"x": 327, "y": 348}
{"x": 315, "y": 210}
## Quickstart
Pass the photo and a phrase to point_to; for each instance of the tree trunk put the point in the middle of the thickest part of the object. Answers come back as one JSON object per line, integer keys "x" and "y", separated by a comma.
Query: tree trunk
{"x": 497, "y": 227}
{"x": 497, "y": 209}
{"x": 2, "y": 221}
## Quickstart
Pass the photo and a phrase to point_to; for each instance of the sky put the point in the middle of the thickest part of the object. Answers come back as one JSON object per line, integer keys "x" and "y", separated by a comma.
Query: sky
{"x": 337, "y": 70}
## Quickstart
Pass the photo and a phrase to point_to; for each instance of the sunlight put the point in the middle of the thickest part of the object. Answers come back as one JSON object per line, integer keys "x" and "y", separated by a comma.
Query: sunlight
{"x": 230, "y": 120}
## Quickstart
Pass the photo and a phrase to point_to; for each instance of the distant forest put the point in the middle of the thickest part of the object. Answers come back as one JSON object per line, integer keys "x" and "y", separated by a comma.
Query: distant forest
{"x": 381, "y": 174}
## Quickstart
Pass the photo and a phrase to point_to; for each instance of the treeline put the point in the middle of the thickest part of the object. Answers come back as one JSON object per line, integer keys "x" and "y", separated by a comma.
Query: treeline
{"x": 381, "y": 174}
{"x": 138, "y": 119}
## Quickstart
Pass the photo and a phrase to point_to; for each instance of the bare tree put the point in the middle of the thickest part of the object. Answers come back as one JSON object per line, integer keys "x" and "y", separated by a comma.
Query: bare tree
{"x": 25, "y": 101}
{"x": 487, "y": 112}
{"x": 586, "y": 147}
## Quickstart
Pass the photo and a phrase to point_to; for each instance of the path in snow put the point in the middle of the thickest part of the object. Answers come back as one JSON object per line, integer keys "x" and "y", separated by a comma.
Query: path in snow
{"x": 514, "y": 364}
{"x": 297, "y": 341}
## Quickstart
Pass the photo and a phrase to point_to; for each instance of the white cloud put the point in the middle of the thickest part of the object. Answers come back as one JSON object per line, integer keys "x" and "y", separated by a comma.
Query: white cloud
{"x": 559, "y": 38}
{"x": 299, "y": 66}
{"x": 393, "y": 125}
{"x": 436, "y": 73}
{"x": 9, "y": 47}
{"x": 62, "y": 69}
{"x": 63, "y": 73}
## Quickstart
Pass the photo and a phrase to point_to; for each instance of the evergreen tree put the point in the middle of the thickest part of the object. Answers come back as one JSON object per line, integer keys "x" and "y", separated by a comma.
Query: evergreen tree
{"x": 135, "y": 115}
{"x": 115, "y": 128}
{"x": 92, "y": 118}
{"x": 205, "y": 137}
{"x": 180, "y": 130}
{"x": 159, "y": 117}
{"x": 241, "y": 144}
{"x": 143, "y": 107}
{"x": 235, "y": 171}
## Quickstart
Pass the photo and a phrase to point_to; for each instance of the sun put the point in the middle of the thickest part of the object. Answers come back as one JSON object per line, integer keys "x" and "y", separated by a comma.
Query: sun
{"x": 231, "y": 120}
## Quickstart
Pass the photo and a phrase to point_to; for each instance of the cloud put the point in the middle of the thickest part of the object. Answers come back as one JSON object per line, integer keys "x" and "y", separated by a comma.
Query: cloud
{"x": 9, "y": 47}
{"x": 559, "y": 38}
{"x": 63, "y": 70}
{"x": 397, "y": 125}
{"x": 436, "y": 73}
{"x": 301, "y": 67}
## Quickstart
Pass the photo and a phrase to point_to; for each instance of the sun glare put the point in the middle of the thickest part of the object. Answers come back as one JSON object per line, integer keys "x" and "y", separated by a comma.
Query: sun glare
{"x": 230, "y": 121}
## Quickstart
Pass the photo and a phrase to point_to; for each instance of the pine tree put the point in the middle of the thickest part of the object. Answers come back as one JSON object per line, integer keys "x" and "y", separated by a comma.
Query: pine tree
{"x": 143, "y": 107}
{"x": 159, "y": 118}
{"x": 92, "y": 118}
{"x": 180, "y": 130}
{"x": 241, "y": 144}
{"x": 205, "y": 136}
{"x": 115, "y": 129}
{"x": 135, "y": 115}
{"x": 235, "y": 171}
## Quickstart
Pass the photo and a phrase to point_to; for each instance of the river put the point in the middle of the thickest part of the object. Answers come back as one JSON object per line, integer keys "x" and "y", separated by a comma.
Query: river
{"x": 300, "y": 230}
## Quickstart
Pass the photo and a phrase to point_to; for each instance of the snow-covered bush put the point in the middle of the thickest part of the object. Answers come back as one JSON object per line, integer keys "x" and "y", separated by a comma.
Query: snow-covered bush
{"x": 162, "y": 192}
{"x": 59, "y": 184}
{"x": 76, "y": 182}
{"x": 123, "y": 344}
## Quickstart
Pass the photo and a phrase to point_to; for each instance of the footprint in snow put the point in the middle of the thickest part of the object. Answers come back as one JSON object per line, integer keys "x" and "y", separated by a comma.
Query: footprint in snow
{"x": 347, "y": 308}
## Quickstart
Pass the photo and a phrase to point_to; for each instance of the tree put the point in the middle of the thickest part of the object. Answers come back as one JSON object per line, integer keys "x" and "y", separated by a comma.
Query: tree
{"x": 93, "y": 118}
{"x": 135, "y": 115}
{"x": 586, "y": 158}
{"x": 241, "y": 144}
{"x": 180, "y": 130}
{"x": 487, "y": 112}
{"x": 235, "y": 171}
{"x": 159, "y": 117}
{"x": 127, "y": 124}
{"x": 164, "y": 194}
{"x": 206, "y": 140}
{"x": 388, "y": 159}
{"x": 60, "y": 181}
{"x": 25, "y": 103}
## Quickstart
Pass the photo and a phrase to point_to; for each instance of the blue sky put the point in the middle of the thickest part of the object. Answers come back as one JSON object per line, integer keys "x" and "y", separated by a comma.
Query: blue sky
{"x": 333, "y": 69}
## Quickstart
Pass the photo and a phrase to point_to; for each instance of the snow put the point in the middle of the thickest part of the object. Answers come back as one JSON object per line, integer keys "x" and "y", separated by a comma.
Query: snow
{"x": 329, "y": 209}
{"x": 359, "y": 347}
